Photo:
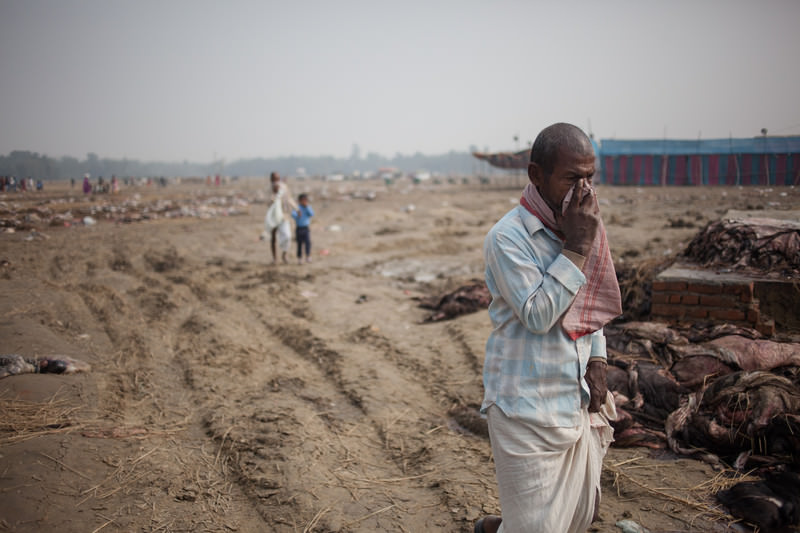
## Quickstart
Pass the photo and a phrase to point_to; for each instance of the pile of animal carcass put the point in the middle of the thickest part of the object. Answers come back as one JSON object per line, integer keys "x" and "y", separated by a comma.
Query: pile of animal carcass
{"x": 717, "y": 391}
{"x": 765, "y": 246}
{"x": 721, "y": 393}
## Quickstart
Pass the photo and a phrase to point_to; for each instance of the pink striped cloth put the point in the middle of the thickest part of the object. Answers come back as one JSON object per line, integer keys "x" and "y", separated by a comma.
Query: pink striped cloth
{"x": 598, "y": 302}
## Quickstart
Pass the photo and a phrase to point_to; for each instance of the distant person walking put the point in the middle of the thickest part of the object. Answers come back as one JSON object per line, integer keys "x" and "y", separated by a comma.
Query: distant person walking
{"x": 277, "y": 221}
{"x": 302, "y": 218}
{"x": 87, "y": 187}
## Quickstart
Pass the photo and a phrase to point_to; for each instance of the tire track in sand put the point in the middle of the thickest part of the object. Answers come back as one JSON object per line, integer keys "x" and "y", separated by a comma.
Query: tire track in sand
{"x": 404, "y": 398}
{"x": 437, "y": 419}
{"x": 142, "y": 428}
{"x": 276, "y": 400}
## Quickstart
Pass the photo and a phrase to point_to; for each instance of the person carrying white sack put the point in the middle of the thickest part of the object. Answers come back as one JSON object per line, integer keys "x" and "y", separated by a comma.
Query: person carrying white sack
{"x": 276, "y": 222}
{"x": 553, "y": 286}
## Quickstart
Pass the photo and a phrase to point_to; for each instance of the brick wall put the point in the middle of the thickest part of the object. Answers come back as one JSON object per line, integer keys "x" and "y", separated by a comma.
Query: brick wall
{"x": 696, "y": 300}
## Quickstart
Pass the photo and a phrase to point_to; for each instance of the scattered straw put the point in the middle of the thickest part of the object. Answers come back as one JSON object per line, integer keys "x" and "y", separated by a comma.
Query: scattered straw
{"x": 725, "y": 480}
{"x": 101, "y": 527}
{"x": 316, "y": 519}
{"x": 631, "y": 460}
{"x": 145, "y": 455}
{"x": 701, "y": 492}
{"x": 84, "y": 476}
{"x": 361, "y": 519}
{"x": 395, "y": 419}
{"x": 392, "y": 479}
{"x": 221, "y": 444}
{"x": 24, "y": 420}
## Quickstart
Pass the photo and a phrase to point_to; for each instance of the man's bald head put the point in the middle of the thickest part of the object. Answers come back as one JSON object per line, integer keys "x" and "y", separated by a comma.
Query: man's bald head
{"x": 558, "y": 138}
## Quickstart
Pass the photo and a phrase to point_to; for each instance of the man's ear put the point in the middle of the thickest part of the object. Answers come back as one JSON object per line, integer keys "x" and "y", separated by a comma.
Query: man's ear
{"x": 535, "y": 174}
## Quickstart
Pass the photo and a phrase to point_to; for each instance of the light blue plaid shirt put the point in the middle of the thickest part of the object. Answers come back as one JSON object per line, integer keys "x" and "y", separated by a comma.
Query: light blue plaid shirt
{"x": 533, "y": 370}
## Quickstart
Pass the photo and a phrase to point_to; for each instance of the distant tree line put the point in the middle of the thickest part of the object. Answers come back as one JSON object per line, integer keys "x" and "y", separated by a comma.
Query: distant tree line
{"x": 24, "y": 164}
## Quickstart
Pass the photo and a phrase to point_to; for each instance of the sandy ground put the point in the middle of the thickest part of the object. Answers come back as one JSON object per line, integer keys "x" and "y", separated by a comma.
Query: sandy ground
{"x": 228, "y": 394}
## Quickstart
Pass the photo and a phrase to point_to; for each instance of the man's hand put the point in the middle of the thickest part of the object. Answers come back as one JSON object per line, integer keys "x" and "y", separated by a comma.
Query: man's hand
{"x": 598, "y": 387}
{"x": 580, "y": 221}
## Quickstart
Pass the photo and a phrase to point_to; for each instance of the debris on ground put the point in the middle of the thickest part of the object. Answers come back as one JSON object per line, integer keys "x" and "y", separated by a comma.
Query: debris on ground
{"x": 14, "y": 364}
{"x": 466, "y": 299}
{"x": 123, "y": 210}
{"x": 629, "y": 526}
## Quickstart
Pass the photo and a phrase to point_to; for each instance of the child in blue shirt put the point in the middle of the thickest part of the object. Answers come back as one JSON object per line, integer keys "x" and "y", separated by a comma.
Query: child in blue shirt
{"x": 302, "y": 217}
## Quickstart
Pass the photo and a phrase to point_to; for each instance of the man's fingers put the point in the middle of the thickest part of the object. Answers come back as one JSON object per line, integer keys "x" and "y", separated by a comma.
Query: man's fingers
{"x": 596, "y": 399}
{"x": 577, "y": 193}
{"x": 587, "y": 195}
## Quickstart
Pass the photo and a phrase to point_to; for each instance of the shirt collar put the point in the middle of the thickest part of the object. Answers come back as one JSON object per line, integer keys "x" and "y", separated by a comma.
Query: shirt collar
{"x": 533, "y": 224}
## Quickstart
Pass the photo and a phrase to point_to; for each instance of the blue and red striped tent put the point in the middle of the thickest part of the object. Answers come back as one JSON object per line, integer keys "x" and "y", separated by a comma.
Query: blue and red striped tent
{"x": 753, "y": 161}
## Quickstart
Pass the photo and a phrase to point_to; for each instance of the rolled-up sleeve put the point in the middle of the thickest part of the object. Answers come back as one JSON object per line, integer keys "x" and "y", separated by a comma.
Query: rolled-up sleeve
{"x": 598, "y": 345}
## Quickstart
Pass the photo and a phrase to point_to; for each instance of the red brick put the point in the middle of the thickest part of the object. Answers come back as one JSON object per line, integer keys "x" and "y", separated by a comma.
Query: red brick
{"x": 726, "y": 314}
{"x": 719, "y": 300}
{"x": 661, "y": 285}
{"x": 733, "y": 287}
{"x": 666, "y": 310}
{"x": 660, "y": 298}
{"x": 690, "y": 299}
{"x": 674, "y": 298}
{"x": 742, "y": 290}
{"x": 705, "y": 288}
{"x": 695, "y": 311}
{"x": 745, "y": 291}
{"x": 753, "y": 314}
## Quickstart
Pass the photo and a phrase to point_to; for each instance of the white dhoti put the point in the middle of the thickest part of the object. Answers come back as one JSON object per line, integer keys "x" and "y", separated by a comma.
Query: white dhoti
{"x": 549, "y": 478}
{"x": 284, "y": 236}
{"x": 275, "y": 218}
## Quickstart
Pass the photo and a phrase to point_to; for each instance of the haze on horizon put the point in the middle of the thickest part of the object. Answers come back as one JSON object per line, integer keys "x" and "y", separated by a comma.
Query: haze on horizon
{"x": 200, "y": 80}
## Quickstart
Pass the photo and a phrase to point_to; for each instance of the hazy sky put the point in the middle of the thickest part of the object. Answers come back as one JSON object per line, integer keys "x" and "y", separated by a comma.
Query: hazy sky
{"x": 187, "y": 80}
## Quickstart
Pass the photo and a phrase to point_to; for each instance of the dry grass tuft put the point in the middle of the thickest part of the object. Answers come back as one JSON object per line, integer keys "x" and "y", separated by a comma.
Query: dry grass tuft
{"x": 24, "y": 420}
